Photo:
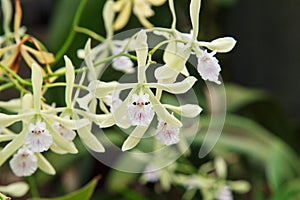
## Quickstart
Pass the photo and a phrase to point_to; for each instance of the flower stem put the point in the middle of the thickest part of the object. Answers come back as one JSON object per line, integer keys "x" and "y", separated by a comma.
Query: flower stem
{"x": 72, "y": 33}
{"x": 33, "y": 187}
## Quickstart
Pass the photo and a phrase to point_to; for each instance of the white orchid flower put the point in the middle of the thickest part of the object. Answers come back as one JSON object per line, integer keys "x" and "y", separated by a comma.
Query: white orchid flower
{"x": 181, "y": 45}
{"x": 139, "y": 107}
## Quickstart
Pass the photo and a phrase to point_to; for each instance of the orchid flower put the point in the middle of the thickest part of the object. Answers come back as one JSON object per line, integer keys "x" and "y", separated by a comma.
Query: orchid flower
{"x": 37, "y": 133}
{"x": 181, "y": 45}
{"x": 141, "y": 104}
{"x": 141, "y": 8}
{"x": 106, "y": 48}
{"x": 10, "y": 51}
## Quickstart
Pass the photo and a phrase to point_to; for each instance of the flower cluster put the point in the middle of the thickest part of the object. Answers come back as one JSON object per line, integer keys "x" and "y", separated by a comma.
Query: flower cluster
{"x": 137, "y": 106}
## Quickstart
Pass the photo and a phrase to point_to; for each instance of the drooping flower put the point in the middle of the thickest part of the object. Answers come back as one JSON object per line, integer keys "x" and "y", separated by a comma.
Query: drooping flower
{"x": 208, "y": 66}
{"x": 67, "y": 133}
{"x": 121, "y": 63}
{"x": 224, "y": 193}
{"x": 24, "y": 162}
{"x": 167, "y": 134}
{"x": 151, "y": 174}
{"x": 139, "y": 111}
{"x": 141, "y": 8}
{"x": 38, "y": 138}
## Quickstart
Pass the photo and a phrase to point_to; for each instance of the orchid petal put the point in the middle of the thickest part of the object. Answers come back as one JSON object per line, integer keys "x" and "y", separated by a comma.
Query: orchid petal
{"x": 84, "y": 101}
{"x": 4, "y": 138}
{"x": 27, "y": 103}
{"x": 175, "y": 88}
{"x": 17, "y": 189}
{"x": 194, "y": 13}
{"x": 119, "y": 114}
{"x": 156, "y": 2}
{"x": 141, "y": 48}
{"x": 17, "y": 17}
{"x": 123, "y": 16}
{"x": 60, "y": 140}
{"x": 221, "y": 45}
{"x": 13, "y": 105}
{"x": 37, "y": 81}
{"x": 88, "y": 60}
{"x": 134, "y": 138}
{"x": 90, "y": 140}
{"x": 44, "y": 164}
{"x": 108, "y": 16}
{"x": 69, "y": 81}
{"x": 7, "y": 15}
{"x": 101, "y": 89}
{"x": 43, "y": 57}
{"x": 7, "y": 120}
{"x": 11, "y": 147}
{"x": 164, "y": 72}
{"x": 68, "y": 123}
{"x": 144, "y": 21}
{"x": 161, "y": 112}
{"x": 187, "y": 110}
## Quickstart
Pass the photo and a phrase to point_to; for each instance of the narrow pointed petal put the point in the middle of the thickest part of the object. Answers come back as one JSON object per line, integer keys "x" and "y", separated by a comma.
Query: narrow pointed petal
{"x": 175, "y": 88}
{"x": 123, "y": 16}
{"x": 108, "y": 16}
{"x": 90, "y": 140}
{"x": 70, "y": 76}
{"x": 37, "y": 81}
{"x": 161, "y": 111}
{"x": 119, "y": 115}
{"x": 43, "y": 57}
{"x": 187, "y": 110}
{"x": 44, "y": 164}
{"x": 13, "y": 105}
{"x": 101, "y": 89}
{"x": 13, "y": 146}
{"x": 156, "y": 2}
{"x": 194, "y": 13}
{"x": 60, "y": 140}
{"x": 141, "y": 48}
{"x": 92, "y": 75}
{"x": 7, "y": 120}
{"x": 4, "y": 138}
{"x": 71, "y": 124}
{"x": 144, "y": 21}
{"x": 18, "y": 17}
{"x": 221, "y": 45}
{"x": 134, "y": 138}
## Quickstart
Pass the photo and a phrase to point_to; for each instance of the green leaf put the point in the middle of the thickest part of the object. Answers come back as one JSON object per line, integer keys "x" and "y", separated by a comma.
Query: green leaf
{"x": 238, "y": 96}
{"x": 85, "y": 193}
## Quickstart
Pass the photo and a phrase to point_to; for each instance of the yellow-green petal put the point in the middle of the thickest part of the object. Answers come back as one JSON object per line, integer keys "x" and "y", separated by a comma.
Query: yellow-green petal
{"x": 70, "y": 76}
{"x": 90, "y": 140}
{"x": 221, "y": 45}
{"x": 161, "y": 111}
{"x": 123, "y": 16}
{"x": 37, "y": 81}
{"x": 17, "y": 189}
{"x": 13, "y": 146}
{"x": 108, "y": 16}
{"x": 175, "y": 88}
{"x": 187, "y": 110}
{"x": 194, "y": 13}
{"x": 44, "y": 164}
{"x": 134, "y": 138}
{"x": 13, "y": 105}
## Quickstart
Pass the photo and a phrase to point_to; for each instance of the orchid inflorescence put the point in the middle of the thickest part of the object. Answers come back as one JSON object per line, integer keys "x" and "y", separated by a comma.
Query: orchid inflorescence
{"x": 46, "y": 127}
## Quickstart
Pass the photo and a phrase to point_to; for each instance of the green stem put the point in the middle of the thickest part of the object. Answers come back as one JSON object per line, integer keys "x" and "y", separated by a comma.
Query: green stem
{"x": 72, "y": 33}
{"x": 89, "y": 33}
{"x": 16, "y": 76}
{"x": 33, "y": 187}
{"x": 6, "y": 86}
